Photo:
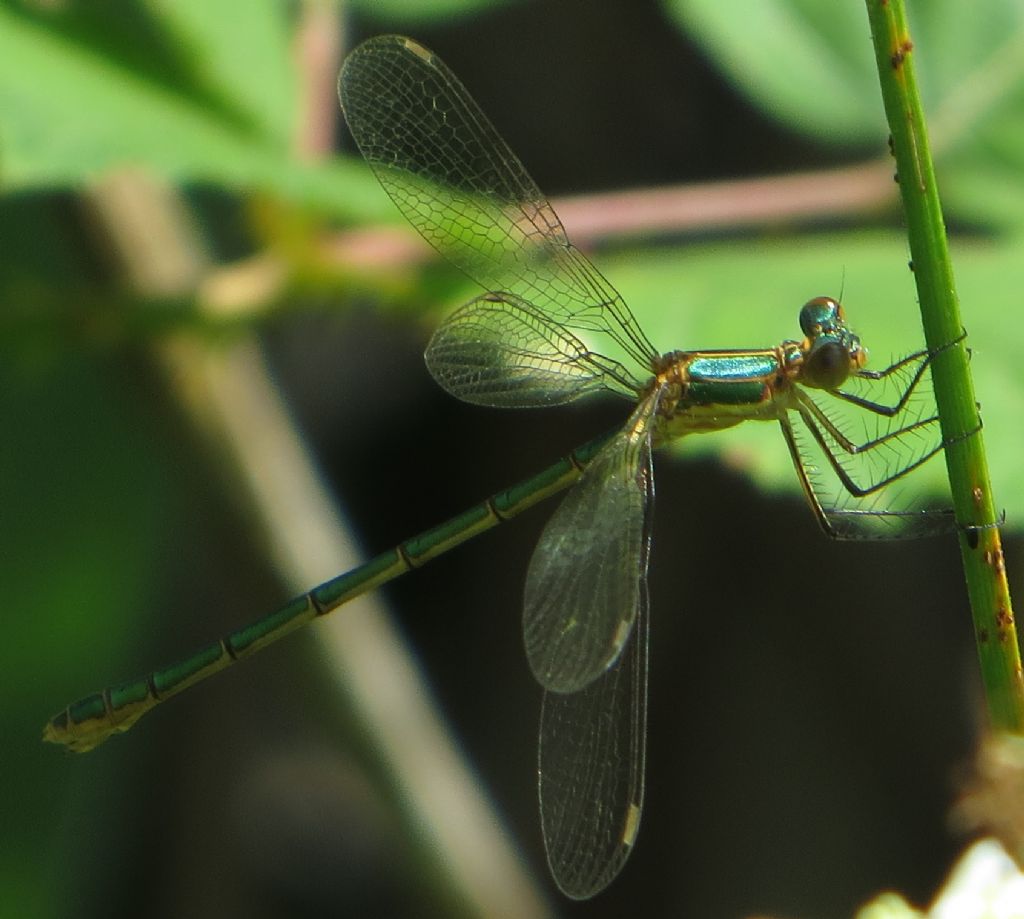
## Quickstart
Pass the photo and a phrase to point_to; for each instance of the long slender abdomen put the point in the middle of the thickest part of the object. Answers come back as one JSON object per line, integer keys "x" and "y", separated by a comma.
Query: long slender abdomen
{"x": 89, "y": 721}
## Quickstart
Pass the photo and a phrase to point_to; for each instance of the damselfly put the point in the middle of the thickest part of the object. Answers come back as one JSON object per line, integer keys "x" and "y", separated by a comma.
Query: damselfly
{"x": 521, "y": 344}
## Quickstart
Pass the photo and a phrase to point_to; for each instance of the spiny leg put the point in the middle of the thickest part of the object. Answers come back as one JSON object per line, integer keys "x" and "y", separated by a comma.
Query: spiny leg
{"x": 861, "y": 523}
{"x": 926, "y": 357}
{"x": 852, "y": 487}
{"x": 805, "y": 482}
{"x": 808, "y": 404}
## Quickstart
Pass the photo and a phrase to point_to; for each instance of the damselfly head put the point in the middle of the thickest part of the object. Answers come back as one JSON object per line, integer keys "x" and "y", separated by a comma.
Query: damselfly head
{"x": 831, "y": 352}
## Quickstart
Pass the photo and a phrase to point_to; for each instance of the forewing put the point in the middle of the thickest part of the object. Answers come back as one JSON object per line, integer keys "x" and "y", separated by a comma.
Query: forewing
{"x": 455, "y": 179}
{"x": 584, "y": 582}
{"x": 498, "y": 350}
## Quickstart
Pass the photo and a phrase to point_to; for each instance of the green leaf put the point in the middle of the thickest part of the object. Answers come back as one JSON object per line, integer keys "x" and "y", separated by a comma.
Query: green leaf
{"x": 244, "y": 58}
{"x": 810, "y": 65}
{"x": 807, "y": 63}
{"x": 70, "y": 112}
{"x": 747, "y": 295}
{"x": 978, "y": 133}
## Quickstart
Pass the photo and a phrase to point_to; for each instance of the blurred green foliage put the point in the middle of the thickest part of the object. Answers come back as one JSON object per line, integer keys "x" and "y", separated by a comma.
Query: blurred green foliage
{"x": 811, "y": 65}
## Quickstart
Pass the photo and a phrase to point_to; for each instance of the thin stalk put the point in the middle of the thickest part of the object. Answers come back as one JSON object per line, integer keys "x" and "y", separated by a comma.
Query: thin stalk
{"x": 980, "y": 544}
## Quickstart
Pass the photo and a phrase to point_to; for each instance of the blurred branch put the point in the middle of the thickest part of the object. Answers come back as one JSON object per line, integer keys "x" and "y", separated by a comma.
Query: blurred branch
{"x": 228, "y": 393}
{"x": 246, "y": 287}
{"x": 317, "y": 57}
{"x": 598, "y": 218}
{"x": 733, "y": 204}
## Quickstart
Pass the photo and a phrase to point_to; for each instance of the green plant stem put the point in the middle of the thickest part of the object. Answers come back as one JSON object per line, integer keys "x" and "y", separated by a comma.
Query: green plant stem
{"x": 980, "y": 544}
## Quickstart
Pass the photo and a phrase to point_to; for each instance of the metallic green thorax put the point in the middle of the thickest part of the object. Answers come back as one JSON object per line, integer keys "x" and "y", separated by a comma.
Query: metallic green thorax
{"x": 711, "y": 390}
{"x": 730, "y": 379}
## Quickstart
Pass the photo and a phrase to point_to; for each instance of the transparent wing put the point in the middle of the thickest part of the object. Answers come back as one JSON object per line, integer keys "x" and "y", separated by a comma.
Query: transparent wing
{"x": 585, "y": 578}
{"x": 591, "y": 765}
{"x": 499, "y": 350}
{"x": 458, "y": 183}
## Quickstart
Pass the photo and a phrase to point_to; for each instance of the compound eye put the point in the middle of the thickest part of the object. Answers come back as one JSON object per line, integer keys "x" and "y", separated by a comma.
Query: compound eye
{"x": 820, "y": 316}
{"x": 827, "y": 364}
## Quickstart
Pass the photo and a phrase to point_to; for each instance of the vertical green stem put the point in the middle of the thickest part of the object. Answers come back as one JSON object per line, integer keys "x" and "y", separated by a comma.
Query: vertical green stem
{"x": 981, "y": 549}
